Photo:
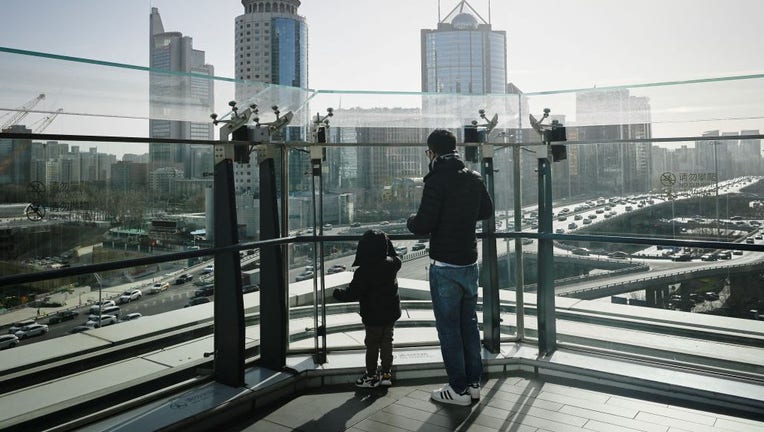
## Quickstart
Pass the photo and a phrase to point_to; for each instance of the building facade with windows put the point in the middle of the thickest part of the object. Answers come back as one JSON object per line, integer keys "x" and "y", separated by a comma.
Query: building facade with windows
{"x": 187, "y": 89}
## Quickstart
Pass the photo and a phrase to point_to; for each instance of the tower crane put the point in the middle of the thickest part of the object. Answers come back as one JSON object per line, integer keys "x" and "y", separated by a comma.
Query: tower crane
{"x": 42, "y": 124}
{"x": 22, "y": 112}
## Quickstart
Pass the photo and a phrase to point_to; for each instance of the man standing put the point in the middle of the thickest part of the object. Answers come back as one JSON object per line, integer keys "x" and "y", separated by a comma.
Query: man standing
{"x": 453, "y": 200}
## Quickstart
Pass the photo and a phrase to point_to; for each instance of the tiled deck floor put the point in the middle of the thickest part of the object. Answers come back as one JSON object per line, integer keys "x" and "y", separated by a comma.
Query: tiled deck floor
{"x": 508, "y": 404}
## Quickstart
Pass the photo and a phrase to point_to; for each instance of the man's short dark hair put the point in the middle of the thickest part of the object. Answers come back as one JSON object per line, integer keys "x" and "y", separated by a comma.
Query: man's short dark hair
{"x": 441, "y": 141}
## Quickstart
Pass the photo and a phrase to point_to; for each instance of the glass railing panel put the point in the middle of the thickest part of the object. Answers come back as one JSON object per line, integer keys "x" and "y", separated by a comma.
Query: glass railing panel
{"x": 93, "y": 97}
{"x": 650, "y": 291}
{"x": 660, "y": 109}
{"x": 118, "y": 298}
{"x": 703, "y": 191}
{"x": 400, "y": 111}
{"x": 109, "y": 203}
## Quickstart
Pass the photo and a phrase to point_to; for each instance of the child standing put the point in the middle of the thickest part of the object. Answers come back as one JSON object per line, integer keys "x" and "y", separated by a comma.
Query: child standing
{"x": 375, "y": 287}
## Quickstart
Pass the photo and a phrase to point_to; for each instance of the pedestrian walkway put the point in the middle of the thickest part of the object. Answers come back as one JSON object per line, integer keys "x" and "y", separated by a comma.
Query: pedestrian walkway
{"x": 512, "y": 403}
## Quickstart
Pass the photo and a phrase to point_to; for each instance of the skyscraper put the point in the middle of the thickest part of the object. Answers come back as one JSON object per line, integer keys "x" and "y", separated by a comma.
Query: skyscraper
{"x": 271, "y": 44}
{"x": 173, "y": 95}
{"x": 464, "y": 55}
{"x": 271, "y": 47}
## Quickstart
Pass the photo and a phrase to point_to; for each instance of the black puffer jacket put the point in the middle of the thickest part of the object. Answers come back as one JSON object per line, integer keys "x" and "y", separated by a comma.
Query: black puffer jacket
{"x": 453, "y": 200}
{"x": 375, "y": 282}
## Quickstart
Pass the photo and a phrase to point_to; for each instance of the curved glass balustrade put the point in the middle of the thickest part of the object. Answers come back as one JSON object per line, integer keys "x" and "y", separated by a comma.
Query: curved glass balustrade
{"x": 658, "y": 205}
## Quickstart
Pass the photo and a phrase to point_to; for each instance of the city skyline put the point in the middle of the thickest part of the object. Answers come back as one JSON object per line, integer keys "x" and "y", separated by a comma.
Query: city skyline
{"x": 619, "y": 48}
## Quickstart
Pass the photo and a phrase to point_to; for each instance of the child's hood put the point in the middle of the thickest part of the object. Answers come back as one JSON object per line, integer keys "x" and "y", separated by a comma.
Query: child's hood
{"x": 373, "y": 247}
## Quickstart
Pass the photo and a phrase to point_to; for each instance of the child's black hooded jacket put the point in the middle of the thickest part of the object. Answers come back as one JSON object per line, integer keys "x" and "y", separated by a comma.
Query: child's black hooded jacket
{"x": 375, "y": 283}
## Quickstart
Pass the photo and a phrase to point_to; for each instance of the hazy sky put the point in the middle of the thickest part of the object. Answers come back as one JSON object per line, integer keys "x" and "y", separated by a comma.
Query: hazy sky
{"x": 365, "y": 44}
{"x": 375, "y": 45}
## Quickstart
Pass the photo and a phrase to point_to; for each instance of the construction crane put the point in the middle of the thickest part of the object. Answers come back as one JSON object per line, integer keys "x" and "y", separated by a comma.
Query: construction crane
{"x": 43, "y": 123}
{"x": 22, "y": 112}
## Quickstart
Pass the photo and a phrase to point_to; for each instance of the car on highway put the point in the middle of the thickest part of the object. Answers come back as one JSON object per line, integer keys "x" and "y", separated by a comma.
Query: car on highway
{"x": 337, "y": 268}
{"x": 197, "y": 301}
{"x": 31, "y": 330}
{"x": 250, "y": 288}
{"x": 8, "y": 341}
{"x": 62, "y": 316}
{"x": 130, "y": 295}
{"x": 95, "y": 308}
{"x": 618, "y": 255}
{"x": 79, "y": 329}
{"x": 184, "y": 278}
{"x": 159, "y": 287}
{"x": 307, "y": 274}
{"x": 205, "y": 291}
{"x": 418, "y": 246}
{"x": 105, "y": 320}
{"x": 682, "y": 257}
{"x": 208, "y": 270}
{"x": 580, "y": 251}
{"x": 18, "y": 325}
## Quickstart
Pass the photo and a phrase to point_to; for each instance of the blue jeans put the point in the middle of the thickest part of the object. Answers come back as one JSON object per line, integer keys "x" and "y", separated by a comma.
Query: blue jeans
{"x": 454, "y": 301}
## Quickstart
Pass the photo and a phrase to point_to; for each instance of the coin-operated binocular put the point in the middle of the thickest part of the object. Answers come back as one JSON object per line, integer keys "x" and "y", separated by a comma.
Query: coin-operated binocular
{"x": 246, "y": 135}
{"x": 320, "y": 135}
{"x": 550, "y": 133}
{"x": 475, "y": 135}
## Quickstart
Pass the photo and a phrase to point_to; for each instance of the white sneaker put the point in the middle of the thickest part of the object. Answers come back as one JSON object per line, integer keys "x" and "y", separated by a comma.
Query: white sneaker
{"x": 447, "y": 395}
{"x": 474, "y": 390}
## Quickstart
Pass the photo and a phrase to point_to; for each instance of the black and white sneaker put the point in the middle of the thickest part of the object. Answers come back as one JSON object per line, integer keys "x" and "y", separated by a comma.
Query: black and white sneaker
{"x": 386, "y": 379}
{"x": 367, "y": 381}
{"x": 447, "y": 395}
{"x": 474, "y": 390}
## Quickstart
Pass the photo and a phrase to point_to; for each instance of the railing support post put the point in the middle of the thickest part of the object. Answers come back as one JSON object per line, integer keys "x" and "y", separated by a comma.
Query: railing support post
{"x": 491, "y": 317}
{"x": 229, "y": 304}
{"x": 274, "y": 323}
{"x": 547, "y": 331}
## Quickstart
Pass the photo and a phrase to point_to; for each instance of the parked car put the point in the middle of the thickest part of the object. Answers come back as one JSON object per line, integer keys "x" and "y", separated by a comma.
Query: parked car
{"x": 418, "y": 246}
{"x": 31, "y": 330}
{"x": 159, "y": 287}
{"x": 18, "y": 325}
{"x": 130, "y": 295}
{"x": 105, "y": 320}
{"x": 8, "y": 341}
{"x": 62, "y": 316}
{"x": 132, "y": 316}
{"x": 197, "y": 301}
{"x": 183, "y": 279}
{"x": 205, "y": 291}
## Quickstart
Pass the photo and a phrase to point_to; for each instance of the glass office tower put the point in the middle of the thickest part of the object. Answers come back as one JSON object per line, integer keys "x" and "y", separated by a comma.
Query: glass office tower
{"x": 464, "y": 55}
{"x": 173, "y": 52}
